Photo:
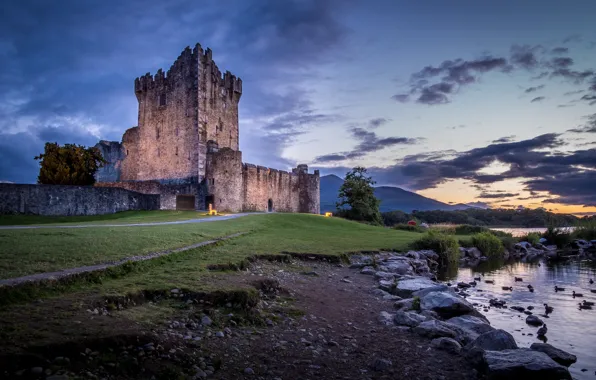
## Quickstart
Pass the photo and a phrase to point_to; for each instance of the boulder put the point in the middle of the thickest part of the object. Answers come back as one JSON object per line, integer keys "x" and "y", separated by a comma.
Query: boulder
{"x": 560, "y": 356}
{"x": 446, "y": 304}
{"x": 380, "y": 275}
{"x": 522, "y": 363}
{"x": 387, "y": 285}
{"x": 435, "y": 329}
{"x": 495, "y": 340}
{"x": 469, "y": 327}
{"x": 386, "y": 318}
{"x": 406, "y": 287}
{"x": 446, "y": 344}
{"x": 429, "y": 254}
{"x": 473, "y": 253}
{"x": 533, "y": 320}
{"x": 408, "y": 318}
{"x": 401, "y": 267}
{"x": 386, "y": 296}
{"x": 368, "y": 271}
{"x": 405, "y": 304}
{"x": 437, "y": 288}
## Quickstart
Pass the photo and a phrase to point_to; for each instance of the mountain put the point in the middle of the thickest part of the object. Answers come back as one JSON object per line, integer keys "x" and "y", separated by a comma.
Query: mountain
{"x": 392, "y": 198}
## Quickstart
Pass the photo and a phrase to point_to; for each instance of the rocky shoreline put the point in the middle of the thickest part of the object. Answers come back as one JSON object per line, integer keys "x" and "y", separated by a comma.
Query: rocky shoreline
{"x": 441, "y": 313}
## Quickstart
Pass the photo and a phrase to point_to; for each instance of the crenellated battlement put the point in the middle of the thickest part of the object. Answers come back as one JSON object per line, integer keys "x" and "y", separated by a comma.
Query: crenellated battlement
{"x": 186, "y": 67}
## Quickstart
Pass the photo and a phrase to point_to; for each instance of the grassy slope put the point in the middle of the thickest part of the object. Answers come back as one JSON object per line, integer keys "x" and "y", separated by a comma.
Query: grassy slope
{"x": 29, "y": 251}
{"x": 125, "y": 217}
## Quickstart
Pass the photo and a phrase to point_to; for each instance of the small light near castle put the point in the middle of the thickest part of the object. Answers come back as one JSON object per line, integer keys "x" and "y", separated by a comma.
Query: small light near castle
{"x": 211, "y": 210}
{"x": 328, "y": 214}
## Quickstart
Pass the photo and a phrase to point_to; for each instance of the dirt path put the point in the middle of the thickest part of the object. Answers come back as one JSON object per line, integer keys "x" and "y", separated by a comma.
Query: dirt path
{"x": 189, "y": 221}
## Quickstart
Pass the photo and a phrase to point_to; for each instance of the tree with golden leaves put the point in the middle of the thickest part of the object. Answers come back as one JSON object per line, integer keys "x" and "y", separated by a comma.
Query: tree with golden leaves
{"x": 70, "y": 164}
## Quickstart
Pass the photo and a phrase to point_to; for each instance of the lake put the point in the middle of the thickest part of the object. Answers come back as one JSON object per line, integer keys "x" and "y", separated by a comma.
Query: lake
{"x": 525, "y": 231}
{"x": 569, "y": 328}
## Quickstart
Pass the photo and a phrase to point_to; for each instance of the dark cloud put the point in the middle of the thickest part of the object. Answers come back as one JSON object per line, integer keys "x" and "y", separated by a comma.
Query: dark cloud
{"x": 561, "y": 63}
{"x": 574, "y": 187}
{"x": 537, "y": 99}
{"x": 497, "y": 195}
{"x": 560, "y": 50}
{"x": 402, "y": 98}
{"x": 526, "y": 56}
{"x": 588, "y": 127}
{"x": 457, "y": 127}
{"x": 574, "y": 92}
{"x": 505, "y": 139}
{"x": 375, "y": 123}
{"x": 572, "y": 38}
{"x": 534, "y": 89}
{"x": 368, "y": 142}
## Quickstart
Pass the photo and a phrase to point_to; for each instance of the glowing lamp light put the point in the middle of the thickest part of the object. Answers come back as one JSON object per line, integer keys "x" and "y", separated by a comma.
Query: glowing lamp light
{"x": 328, "y": 214}
{"x": 211, "y": 210}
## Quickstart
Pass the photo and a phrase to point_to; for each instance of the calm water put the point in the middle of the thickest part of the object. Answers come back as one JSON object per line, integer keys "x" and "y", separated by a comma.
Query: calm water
{"x": 569, "y": 328}
{"x": 525, "y": 231}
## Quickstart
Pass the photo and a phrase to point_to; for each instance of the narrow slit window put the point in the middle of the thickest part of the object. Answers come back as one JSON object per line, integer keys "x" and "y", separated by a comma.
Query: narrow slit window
{"x": 162, "y": 99}
{"x": 176, "y": 151}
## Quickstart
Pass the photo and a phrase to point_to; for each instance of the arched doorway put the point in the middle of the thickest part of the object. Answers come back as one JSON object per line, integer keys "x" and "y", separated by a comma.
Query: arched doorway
{"x": 270, "y": 205}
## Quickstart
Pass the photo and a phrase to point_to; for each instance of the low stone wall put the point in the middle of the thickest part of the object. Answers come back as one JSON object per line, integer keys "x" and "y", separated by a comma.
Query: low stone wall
{"x": 71, "y": 200}
{"x": 167, "y": 192}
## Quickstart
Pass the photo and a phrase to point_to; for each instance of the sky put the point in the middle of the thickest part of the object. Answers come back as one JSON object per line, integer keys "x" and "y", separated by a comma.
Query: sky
{"x": 492, "y": 103}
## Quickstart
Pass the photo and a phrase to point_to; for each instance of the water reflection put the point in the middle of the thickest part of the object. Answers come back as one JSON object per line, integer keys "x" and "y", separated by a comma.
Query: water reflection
{"x": 569, "y": 327}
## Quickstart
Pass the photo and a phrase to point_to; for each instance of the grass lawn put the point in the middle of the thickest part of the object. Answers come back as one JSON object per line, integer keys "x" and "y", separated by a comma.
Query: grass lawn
{"x": 30, "y": 251}
{"x": 125, "y": 217}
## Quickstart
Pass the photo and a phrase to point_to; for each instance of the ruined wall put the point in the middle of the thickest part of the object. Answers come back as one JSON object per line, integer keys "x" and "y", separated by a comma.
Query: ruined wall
{"x": 71, "y": 200}
{"x": 224, "y": 179}
{"x": 130, "y": 162}
{"x": 167, "y": 144}
{"x": 167, "y": 192}
{"x": 113, "y": 153}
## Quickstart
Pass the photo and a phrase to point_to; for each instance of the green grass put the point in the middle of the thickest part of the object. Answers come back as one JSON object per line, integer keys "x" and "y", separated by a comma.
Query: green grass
{"x": 444, "y": 244}
{"x": 41, "y": 250}
{"x": 125, "y": 217}
{"x": 488, "y": 244}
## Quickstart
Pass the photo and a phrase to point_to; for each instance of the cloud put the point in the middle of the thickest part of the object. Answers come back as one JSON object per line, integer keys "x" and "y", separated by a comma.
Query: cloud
{"x": 569, "y": 93}
{"x": 402, "y": 98}
{"x": 368, "y": 142}
{"x": 588, "y": 127}
{"x": 537, "y": 99}
{"x": 497, "y": 195}
{"x": 375, "y": 123}
{"x": 505, "y": 139}
{"x": 457, "y": 127}
{"x": 560, "y": 50}
{"x": 572, "y": 38}
{"x": 534, "y": 89}
{"x": 526, "y": 56}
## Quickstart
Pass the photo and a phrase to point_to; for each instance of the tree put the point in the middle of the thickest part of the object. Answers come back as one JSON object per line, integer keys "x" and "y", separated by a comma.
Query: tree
{"x": 70, "y": 164}
{"x": 357, "y": 200}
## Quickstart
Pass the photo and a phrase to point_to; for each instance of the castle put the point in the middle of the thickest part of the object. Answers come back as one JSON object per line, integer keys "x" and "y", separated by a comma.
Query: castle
{"x": 186, "y": 146}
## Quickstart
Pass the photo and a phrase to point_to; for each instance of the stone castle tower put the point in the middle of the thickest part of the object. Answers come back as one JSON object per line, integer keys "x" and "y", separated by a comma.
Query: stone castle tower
{"x": 186, "y": 146}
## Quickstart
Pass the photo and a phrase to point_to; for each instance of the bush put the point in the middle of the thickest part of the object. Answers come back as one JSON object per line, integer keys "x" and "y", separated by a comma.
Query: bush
{"x": 488, "y": 244}
{"x": 532, "y": 238}
{"x": 445, "y": 245}
{"x": 444, "y": 228}
{"x": 585, "y": 230}
{"x": 467, "y": 229}
{"x": 407, "y": 227}
{"x": 466, "y": 243}
{"x": 508, "y": 242}
{"x": 557, "y": 236}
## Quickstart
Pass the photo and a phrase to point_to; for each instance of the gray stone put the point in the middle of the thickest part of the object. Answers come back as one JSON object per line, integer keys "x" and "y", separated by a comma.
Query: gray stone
{"x": 368, "y": 271}
{"x": 57, "y": 377}
{"x": 380, "y": 364}
{"x": 175, "y": 291}
{"x": 220, "y": 334}
{"x": 36, "y": 370}
{"x": 387, "y": 285}
{"x": 558, "y": 355}
{"x": 405, "y": 304}
{"x": 473, "y": 253}
{"x": 200, "y": 373}
{"x": 446, "y": 344}
{"x": 384, "y": 275}
{"x": 408, "y": 318}
{"x": 469, "y": 327}
{"x": 400, "y": 267}
{"x": 386, "y": 318}
{"x": 522, "y": 363}
{"x": 435, "y": 329}
{"x": 533, "y": 320}
{"x": 406, "y": 287}
{"x": 437, "y": 288}
{"x": 249, "y": 371}
{"x": 446, "y": 304}
{"x": 496, "y": 340}
{"x": 206, "y": 321}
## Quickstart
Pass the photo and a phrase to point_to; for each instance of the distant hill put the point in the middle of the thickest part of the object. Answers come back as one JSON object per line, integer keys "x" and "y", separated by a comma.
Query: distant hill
{"x": 392, "y": 198}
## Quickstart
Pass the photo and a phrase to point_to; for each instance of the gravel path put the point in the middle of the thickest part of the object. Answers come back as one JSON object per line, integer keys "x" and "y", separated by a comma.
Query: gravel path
{"x": 202, "y": 220}
{"x": 98, "y": 267}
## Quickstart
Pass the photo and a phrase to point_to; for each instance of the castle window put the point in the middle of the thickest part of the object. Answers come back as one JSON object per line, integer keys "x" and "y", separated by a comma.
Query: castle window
{"x": 127, "y": 152}
{"x": 157, "y": 133}
{"x": 162, "y": 100}
{"x": 176, "y": 151}
{"x": 158, "y": 153}
{"x": 212, "y": 181}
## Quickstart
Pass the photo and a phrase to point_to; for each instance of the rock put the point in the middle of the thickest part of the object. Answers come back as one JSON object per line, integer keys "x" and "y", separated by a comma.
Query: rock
{"x": 495, "y": 340}
{"x": 406, "y": 287}
{"x": 437, "y": 288}
{"x": 446, "y": 344}
{"x": 446, "y": 304}
{"x": 400, "y": 267}
{"x": 346, "y": 281}
{"x": 434, "y": 329}
{"x": 386, "y": 318}
{"x": 219, "y": 334}
{"x": 175, "y": 291}
{"x": 379, "y": 364}
{"x": 380, "y": 275}
{"x": 522, "y": 363}
{"x": 473, "y": 253}
{"x": 36, "y": 370}
{"x": 200, "y": 373}
{"x": 206, "y": 321}
{"x": 469, "y": 327}
{"x": 387, "y": 285}
{"x": 405, "y": 304}
{"x": 368, "y": 271}
{"x": 249, "y": 371}
{"x": 385, "y": 295}
{"x": 463, "y": 285}
{"x": 560, "y": 356}
{"x": 57, "y": 377}
{"x": 517, "y": 308}
{"x": 533, "y": 320}
{"x": 408, "y": 318}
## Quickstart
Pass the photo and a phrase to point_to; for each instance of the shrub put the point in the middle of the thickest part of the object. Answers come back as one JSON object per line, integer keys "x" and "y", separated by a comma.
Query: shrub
{"x": 532, "y": 238}
{"x": 488, "y": 244}
{"x": 585, "y": 230}
{"x": 416, "y": 303}
{"x": 444, "y": 228}
{"x": 407, "y": 227}
{"x": 467, "y": 229}
{"x": 557, "y": 236}
{"x": 445, "y": 245}
{"x": 466, "y": 243}
{"x": 508, "y": 242}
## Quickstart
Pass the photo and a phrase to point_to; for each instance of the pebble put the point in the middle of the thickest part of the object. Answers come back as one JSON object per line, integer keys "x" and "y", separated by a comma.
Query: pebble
{"x": 200, "y": 373}
{"x": 206, "y": 321}
{"x": 57, "y": 377}
{"x": 36, "y": 370}
{"x": 174, "y": 291}
{"x": 346, "y": 281}
{"x": 249, "y": 371}
{"x": 220, "y": 334}
{"x": 380, "y": 364}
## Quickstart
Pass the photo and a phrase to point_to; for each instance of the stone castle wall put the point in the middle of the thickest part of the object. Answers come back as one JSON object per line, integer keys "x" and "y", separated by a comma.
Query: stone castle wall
{"x": 71, "y": 200}
{"x": 167, "y": 192}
